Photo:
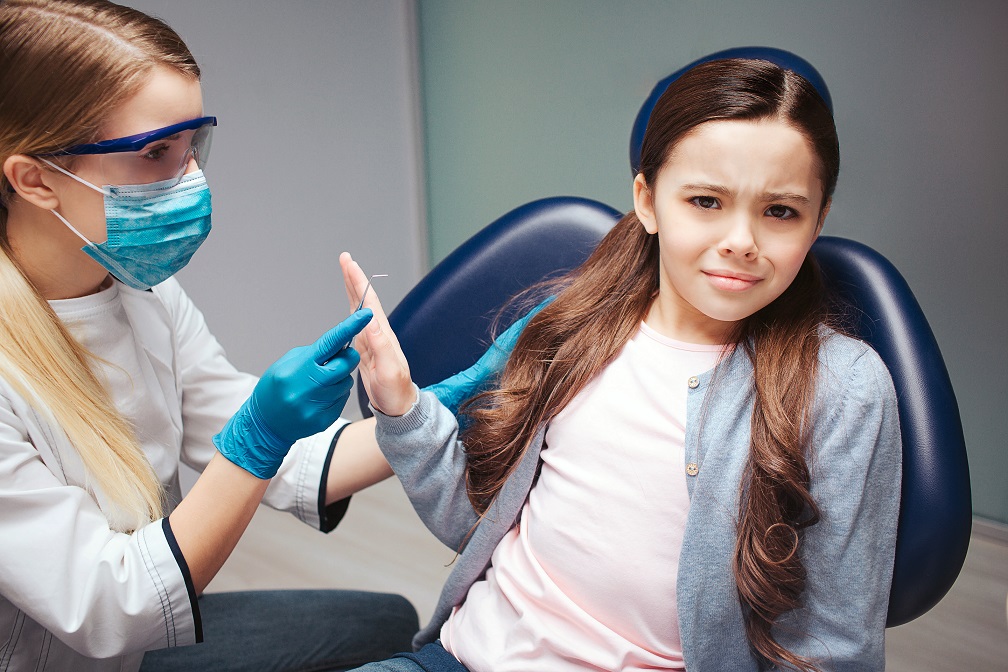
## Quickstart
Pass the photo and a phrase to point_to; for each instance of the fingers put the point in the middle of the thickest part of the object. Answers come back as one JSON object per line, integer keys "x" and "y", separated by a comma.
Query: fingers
{"x": 352, "y": 277}
{"x": 356, "y": 282}
{"x": 334, "y": 340}
{"x": 384, "y": 370}
{"x": 342, "y": 365}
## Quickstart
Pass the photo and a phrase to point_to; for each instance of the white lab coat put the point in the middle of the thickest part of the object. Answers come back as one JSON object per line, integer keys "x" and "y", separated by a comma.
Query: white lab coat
{"x": 74, "y": 593}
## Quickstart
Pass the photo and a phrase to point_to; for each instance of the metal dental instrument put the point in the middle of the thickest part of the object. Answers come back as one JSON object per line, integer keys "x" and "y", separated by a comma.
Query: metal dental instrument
{"x": 359, "y": 306}
{"x": 376, "y": 275}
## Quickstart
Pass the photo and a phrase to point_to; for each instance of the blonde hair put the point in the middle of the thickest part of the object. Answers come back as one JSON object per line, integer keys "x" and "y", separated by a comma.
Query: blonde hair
{"x": 64, "y": 64}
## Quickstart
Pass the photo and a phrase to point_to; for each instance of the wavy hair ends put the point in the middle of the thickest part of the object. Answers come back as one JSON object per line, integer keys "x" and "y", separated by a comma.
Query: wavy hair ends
{"x": 64, "y": 65}
{"x": 775, "y": 505}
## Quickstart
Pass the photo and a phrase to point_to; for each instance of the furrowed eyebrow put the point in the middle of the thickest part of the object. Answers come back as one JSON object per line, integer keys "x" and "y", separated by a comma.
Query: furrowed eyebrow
{"x": 717, "y": 189}
{"x": 770, "y": 197}
{"x": 787, "y": 197}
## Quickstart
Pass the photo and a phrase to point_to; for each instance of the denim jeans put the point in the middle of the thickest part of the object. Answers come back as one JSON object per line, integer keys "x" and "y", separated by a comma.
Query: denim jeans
{"x": 431, "y": 658}
{"x": 292, "y": 631}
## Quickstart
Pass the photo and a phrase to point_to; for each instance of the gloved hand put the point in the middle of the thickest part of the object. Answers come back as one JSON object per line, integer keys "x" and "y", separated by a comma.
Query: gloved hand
{"x": 452, "y": 391}
{"x": 300, "y": 394}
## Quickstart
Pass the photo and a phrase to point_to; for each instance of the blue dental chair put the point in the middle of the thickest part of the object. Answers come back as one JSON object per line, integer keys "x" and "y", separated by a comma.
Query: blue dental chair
{"x": 444, "y": 325}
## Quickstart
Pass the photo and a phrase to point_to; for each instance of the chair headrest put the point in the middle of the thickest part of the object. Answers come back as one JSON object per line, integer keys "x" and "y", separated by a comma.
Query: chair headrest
{"x": 784, "y": 59}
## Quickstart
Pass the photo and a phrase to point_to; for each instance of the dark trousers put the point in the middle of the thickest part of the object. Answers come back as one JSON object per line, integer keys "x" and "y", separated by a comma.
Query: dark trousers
{"x": 431, "y": 658}
{"x": 292, "y": 631}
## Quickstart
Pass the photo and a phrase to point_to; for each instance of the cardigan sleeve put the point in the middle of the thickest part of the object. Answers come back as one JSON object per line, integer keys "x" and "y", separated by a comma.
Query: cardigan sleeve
{"x": 423, "y": 449}
{"x": 422, "y": 446}
{"x": 856, "y": 470}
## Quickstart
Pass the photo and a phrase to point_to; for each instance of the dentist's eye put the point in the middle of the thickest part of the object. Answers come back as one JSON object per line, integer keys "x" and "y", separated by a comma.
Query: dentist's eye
{"x": 705, "y": 202}
{"x": 155, "y": 153}
{"x": 781, "y": 212}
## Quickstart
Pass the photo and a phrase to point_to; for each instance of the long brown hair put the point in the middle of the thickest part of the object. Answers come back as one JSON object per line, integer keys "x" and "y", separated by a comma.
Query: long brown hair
{"x": 64, "y": 65}
{"x": 600, "y": 305}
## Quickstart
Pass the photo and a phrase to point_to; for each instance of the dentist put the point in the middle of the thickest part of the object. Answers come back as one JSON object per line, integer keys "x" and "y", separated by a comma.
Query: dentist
{"x": 110, "y": 379}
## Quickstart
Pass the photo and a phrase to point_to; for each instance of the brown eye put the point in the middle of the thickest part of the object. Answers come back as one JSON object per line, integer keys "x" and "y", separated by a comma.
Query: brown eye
{"x": 155, "y": 153}
{"x": 781, "y": 212}
{"x": 704, "y": 202}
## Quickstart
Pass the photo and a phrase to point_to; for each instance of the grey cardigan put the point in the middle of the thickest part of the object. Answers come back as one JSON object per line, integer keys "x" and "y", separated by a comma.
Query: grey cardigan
{"x": 848, "y": 555}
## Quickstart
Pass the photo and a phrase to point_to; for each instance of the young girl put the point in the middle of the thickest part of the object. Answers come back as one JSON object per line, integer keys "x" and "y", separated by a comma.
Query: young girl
{"x": 683, "y": 464}
{"x": 109, "y": 379}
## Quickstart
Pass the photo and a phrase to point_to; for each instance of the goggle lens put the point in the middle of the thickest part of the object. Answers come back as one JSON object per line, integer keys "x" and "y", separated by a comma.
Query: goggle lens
{"x": 162, "y": 155}
{"x": 161, "y": 160}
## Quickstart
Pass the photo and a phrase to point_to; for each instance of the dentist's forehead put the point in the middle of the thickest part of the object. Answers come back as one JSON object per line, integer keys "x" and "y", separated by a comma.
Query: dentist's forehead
{"x": 168, "y": 97}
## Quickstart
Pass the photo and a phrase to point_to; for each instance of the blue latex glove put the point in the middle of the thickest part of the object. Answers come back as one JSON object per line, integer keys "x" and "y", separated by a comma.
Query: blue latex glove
{"x": 451, "y": 392}
{"x": 300, "y": 394}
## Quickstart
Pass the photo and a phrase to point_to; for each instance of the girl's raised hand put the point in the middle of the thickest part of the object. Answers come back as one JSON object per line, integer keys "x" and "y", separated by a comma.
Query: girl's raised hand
{"x": 383, "y": 366}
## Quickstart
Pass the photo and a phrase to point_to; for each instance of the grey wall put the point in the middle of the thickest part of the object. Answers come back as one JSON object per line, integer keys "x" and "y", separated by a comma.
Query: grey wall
{"x": 318, "y": 150}
{"x": 527, "y": 99}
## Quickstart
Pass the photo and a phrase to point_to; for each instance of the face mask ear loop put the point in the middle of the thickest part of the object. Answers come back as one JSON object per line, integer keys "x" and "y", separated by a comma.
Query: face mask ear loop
{"x": 104, "y": 192}
{"x": 71, "y": 227}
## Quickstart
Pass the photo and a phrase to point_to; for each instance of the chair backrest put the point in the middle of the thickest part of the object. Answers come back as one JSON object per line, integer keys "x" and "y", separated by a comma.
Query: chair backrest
{"x": 444, "y": 323}
{"x": 936, "y": 507}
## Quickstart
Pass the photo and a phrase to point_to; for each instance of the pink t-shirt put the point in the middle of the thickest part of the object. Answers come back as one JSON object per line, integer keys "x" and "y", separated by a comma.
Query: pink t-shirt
{"x": 587, "y": 578}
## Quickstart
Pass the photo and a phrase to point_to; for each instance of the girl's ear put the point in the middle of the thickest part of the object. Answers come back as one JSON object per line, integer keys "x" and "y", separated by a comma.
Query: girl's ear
{"x": 643, "y": 201}
{"x": 29, "y": 180}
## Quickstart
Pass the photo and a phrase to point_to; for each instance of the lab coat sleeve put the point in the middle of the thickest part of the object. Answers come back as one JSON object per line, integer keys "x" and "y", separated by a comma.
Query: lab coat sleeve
{"x": 856, "y": 471}
{"x": 423, "y": 449}
{"x": 102, "y": 593}
{"x": 213, "y": 390}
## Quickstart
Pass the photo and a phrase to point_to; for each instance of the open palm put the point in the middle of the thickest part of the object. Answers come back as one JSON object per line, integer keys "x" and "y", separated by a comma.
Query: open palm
{"x": 383, "y": 367}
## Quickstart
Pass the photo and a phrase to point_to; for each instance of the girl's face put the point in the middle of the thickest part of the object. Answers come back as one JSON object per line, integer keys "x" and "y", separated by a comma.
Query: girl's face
{"x": 736, "y": 209}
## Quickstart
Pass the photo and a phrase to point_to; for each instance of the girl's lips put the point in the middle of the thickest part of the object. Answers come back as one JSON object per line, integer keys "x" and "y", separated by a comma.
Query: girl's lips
{"x": 731, "y": 282}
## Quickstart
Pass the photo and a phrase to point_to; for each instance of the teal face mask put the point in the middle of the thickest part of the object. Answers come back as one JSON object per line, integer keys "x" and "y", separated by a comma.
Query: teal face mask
{"x": 153, "y": 229}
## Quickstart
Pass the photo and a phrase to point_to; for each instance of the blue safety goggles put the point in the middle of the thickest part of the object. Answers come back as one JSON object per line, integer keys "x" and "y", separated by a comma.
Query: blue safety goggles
{"x": 160, "y": 155}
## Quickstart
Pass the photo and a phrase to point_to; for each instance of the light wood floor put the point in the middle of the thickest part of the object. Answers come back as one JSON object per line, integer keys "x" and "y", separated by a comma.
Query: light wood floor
{"x": 382, "y": 545}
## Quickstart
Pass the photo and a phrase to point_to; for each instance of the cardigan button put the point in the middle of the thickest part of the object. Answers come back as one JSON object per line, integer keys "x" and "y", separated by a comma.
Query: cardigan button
{"x": 693, "y": 382}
